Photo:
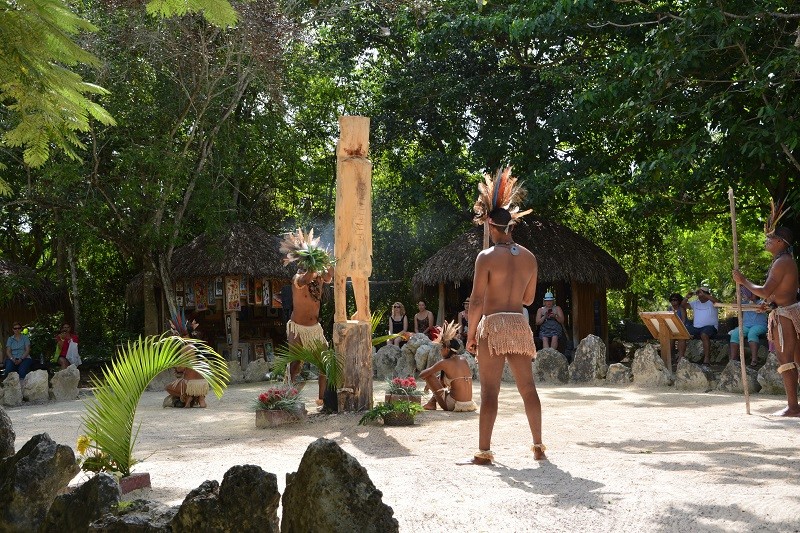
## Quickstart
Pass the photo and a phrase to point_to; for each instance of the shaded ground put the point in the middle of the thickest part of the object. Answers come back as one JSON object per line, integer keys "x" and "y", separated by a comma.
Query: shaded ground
{"x": 620, "y": 459}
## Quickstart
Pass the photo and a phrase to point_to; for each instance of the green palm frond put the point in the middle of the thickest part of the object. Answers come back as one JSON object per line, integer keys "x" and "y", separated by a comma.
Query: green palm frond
{"x": 317, "y": 354}
{"x": 110, "y": 414}
{"x": 375, "y": 321}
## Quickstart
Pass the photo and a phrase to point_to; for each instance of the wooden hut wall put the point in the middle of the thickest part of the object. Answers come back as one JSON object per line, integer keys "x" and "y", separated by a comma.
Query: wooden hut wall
{"x": 589, "y": 312}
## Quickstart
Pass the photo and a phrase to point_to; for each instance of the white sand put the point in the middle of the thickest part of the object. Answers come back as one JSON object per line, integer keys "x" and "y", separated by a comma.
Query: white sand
{"x": 619, "y": 459}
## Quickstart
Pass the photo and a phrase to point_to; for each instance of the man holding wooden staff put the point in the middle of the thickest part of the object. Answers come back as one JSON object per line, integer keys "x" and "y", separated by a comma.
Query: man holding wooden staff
{"x": 780, "y": 289}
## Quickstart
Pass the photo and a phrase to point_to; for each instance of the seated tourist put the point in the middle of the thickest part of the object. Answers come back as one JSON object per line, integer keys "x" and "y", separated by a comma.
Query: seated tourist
{"x": 450, "y": 379}
{"x": 754, "y": 325}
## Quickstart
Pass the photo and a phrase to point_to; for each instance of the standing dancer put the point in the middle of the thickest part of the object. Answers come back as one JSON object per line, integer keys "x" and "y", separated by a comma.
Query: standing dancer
{"x": 497, "y": 328}
{"x": 314, "y": 269}
{"x": 780, "y": 289}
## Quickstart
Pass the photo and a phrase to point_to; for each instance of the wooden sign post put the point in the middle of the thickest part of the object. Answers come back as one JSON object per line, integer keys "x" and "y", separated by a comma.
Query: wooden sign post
{"x": 352, "y": 339}
{"x": 666, "y": 327}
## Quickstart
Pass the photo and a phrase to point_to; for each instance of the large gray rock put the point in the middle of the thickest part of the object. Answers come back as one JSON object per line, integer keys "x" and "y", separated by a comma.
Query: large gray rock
{"x": 427, "y": 355}
{"x": 619, "y": 374}
{"x": 235, "y": 370}
{"x": 589, "y": 363}
{"x": 30, "y": 480}
{"x": 720, "y": 351}
{"x": 406, "y": 363}
{"x": 731, "y": 379}
{"x": 771, "y": 382}
{"x": 65, "y": 384}
{"x": 7, "y": 435}
{"x": 247, "y": 500}
{"x": 140, "y": 516}
{"x": 507, "y": 376}
{"x": 36, "y": 387}
{"x": 473, "y": 365}
{"x": 256, "y": 371}
{"x": 160, "y": 382}
{"x": 649, "y": 370}
{"x": 385, "y": 360}
{"x": 75, "y": 510}
{"x": 331, "y": 491}
{"x": 691, "y": 377}
{"x": 550, "y": 366}
{"x": 12, "y": 390}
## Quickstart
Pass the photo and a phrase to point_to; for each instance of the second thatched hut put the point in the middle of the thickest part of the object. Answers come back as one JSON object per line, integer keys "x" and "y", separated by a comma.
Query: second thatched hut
{"x": 578, "y": 271}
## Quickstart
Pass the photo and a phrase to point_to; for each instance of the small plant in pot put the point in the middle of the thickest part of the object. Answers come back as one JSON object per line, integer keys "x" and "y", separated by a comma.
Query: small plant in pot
{"x": 403, "y": 389}
{"x": 278, "y": 405}
{"x": 392, "y": 413}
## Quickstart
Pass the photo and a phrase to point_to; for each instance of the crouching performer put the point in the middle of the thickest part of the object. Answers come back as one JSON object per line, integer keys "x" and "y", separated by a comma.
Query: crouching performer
{"x": 450, "y": 379}
{"x": 498, "y": 331}
{"x": 189, "y": 389}
{"x": 780, "y": 289}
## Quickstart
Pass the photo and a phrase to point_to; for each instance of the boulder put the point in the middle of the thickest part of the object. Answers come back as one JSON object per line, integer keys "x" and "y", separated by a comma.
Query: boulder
{"x": 160, "y": 382}
{"x": 235, "y": 370}
{"x": 331, "y": 491}
{"x": 36, "y": 387}
{"x": 691, "y": 377}
{"x": 256, "y": 371}
{"x": 75, "y": 510}
{"x": 590, "y": 361}
{"x": 247, "y": 500}
{"x": 31, "y": 478}
{"x": 771, "y": 382}
{"x": 508, "y": 377}
{"x": 649, "y": 370}
{"x": 694, "y": 350}
{"x": 7, "y": 435}
{"x": 405, "y": 362}
{"x": 619, "y": 374}
{"x": 550, "y": 366}
{"x": 385, "y": 360}
{"x": 12, "y": 390}
{"x": 427, "y": 355}
{"x": 65, "y": 384}
{"x": 731, "y": 379}
{"x": 720, "y": 351}
{"x": 140, "y": 516}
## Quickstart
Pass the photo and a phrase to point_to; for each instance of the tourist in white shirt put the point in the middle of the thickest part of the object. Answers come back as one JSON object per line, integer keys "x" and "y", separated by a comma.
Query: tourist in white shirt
{"x": 705, "y": 319}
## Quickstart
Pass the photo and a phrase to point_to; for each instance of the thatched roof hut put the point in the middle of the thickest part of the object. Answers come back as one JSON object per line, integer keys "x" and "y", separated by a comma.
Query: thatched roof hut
{"x": 577, "y": 268}
{"x": 241, "y": 249}
{"x": 24, "y": 295}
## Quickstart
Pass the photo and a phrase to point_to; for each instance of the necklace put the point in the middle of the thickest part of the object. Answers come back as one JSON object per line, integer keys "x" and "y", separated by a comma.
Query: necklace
{"x": 512, "y": 246}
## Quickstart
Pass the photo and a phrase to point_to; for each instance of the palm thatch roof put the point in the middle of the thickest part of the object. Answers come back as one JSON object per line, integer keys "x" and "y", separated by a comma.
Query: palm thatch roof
{"x": 20, "y": 286}
{"x": 563, "y": 255}
{"x": 241, "y": 249}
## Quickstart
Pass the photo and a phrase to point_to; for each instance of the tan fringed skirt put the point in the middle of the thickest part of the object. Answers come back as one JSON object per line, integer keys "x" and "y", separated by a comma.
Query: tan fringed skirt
{"x": 506, "y": 334}
{"x": 196, "y": 387}
{"x": 792, "y": 312}
{"x": 306, "y": 334}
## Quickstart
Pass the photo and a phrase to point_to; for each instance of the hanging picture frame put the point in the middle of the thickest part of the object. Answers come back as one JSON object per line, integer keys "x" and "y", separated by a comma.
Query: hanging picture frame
{"x": 258, "y": 289}
{"x": 212, "y": 293}
{"x": 218, "y": 287}
{"x": 189, "y": 295}
{"x": 232, "y": 294}
{"x": 200, "y": 294}
{"x": 265, "y": 288}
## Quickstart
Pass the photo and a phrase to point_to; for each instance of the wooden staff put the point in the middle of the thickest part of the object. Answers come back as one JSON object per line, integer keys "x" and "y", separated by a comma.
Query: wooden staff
{"x": 739, "y": 301}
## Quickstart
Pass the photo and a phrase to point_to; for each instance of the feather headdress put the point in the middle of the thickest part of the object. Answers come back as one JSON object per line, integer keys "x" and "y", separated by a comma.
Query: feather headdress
{"x": 445, "y": 333}
{"x": 306, "y": 250}
{"x": 502, "y": 191}
{"x": 775, "y": 216}
{"x": 180, "y": 326}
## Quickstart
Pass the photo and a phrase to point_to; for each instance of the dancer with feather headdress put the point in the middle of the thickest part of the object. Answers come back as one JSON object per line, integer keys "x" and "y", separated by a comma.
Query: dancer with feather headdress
{"x": 189, "y": 388}
{"x": 780, "y": 290}
{"x": 314, "y": 270}
{"x": 450, "y": 379}
{"x": 498, "y": 330}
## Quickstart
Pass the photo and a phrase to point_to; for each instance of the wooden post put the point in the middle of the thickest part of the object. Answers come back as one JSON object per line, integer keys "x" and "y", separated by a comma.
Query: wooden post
{"x": 350, "y": 338}
{"x": 440, "y": 318}
{"x": 353, "y": 249}
{"x": 745, "y": 386}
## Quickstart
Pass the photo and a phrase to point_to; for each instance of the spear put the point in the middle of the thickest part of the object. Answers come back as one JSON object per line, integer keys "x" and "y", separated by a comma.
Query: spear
{"x": 739, "y": 301}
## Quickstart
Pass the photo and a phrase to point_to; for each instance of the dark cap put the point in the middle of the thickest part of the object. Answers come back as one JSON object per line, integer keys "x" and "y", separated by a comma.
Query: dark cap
{"x": 783, "y": 233}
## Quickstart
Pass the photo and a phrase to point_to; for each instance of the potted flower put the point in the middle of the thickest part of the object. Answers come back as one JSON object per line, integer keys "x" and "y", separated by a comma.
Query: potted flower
{"x": 278, "y": 405}
{"x": 403, "y": 389}
{"x": 400, "y": 413}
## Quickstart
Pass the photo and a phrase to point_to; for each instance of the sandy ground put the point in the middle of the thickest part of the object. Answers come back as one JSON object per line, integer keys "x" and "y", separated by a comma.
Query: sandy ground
{"x": 619, "y": 459}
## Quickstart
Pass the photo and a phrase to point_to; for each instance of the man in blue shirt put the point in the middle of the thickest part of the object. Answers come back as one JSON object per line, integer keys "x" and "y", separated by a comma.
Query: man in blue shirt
{"x": 18, "y": 351}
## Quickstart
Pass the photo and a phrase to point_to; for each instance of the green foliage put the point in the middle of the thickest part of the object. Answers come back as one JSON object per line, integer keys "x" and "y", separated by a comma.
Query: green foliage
{"x": 109, "y": 417}
{"x": 386, "y": 408}
{"x": 217, "y": 12}
{"x": 317, "y": 354}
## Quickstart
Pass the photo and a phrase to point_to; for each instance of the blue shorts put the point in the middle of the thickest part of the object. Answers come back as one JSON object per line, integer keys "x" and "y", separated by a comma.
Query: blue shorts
{"x": 696, "y": 332}
{"x": 752, "y": 332}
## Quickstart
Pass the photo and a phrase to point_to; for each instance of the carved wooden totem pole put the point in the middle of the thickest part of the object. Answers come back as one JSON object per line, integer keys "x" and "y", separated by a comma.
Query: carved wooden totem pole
{"x": 353, "y": 249}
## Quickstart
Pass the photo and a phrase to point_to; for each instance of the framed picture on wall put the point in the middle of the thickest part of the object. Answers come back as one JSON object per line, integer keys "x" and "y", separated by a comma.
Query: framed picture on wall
{"x": 218, "y": 285}
{"x": 212, "y": 293}
{"x": 258, "y": 350}
{"x": 259, "y": 291}
{"x": 232, "y": 293}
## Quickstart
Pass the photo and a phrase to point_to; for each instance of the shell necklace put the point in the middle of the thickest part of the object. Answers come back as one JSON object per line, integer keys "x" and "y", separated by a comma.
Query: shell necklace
{"x": 512, "y": 246}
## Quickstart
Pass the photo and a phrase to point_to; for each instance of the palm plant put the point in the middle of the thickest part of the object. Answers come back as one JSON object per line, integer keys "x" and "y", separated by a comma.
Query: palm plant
{"x": 110, "y": 414}
{"x": 317, "y": 354}
{"x": 375, "y": 321}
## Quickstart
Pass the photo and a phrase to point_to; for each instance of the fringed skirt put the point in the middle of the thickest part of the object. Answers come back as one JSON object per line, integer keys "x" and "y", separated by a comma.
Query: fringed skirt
{"x": 306, "y": 334}
{"x": 506, "y": 334}
{"x": 792, "y": 312}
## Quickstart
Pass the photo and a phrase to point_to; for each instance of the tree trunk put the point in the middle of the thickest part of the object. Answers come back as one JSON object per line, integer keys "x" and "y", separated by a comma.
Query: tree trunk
{"x": 76, "y": 307}
{"x": 353, "y": 343}
{"x": 167, "y": 285}
{"x": 151, "y": 319}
